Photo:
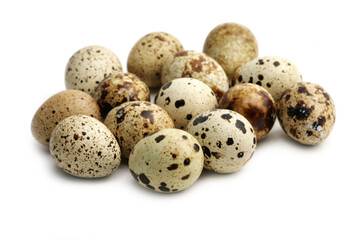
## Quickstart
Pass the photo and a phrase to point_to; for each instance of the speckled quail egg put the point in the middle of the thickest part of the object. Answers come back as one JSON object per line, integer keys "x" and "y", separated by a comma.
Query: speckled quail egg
{"x": 184, "y": 99}
{"x": 89, "y": 66}
{"x": 149, "y": 54}
{"x": 306, "y": 113}
{"x": 231, "y": 45}
{"x": 167, "y": 161}
{"x": 84, "y": 147}
{"x": 132, "y": 121}
{"x": 118, "y": 89}
{"x": 228, "y": 140}
{"x": 275, "y": 74}
{"x": 57, "y": 108}
{"x": 254, "y": 103}
{"x": 199, "y": 66}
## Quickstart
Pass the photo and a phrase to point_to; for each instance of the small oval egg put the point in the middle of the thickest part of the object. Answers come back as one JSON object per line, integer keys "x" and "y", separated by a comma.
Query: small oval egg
{"x": 132, "y": 121}
{"x": 82, "y": 146}
{"x": 149, "y": 54}
{"x": 89, "y": 66}
{"x": 176, "y": 97}
{"x": 275, "y": 74}
{"x": 167, "y": 161}
{"x": 306, "y": 113}
{"x": 254, "y": 103}
{"x": 231, "y": 45}
{"x": 57, "y": 108}
{"x": 196, "y": 65}
{"x": 228, "y": 140}
{"x": 118, "y": 89}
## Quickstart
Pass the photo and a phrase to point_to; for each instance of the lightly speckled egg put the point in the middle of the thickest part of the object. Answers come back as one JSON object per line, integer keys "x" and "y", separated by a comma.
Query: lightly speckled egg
{"x": 254, "y": 103}
{"x": 84, "y": 147}
{"x": 149, "y": 54}
{"x": 231, "y": 45}
{"x": 58, "y": 107}
{"x": 199, "y": 66}
{"x": 132, "y": 121}
{"x": 169, "y": 160}
{"x": 184, "y": 99}
{"x": 118, "y": 89}
{"x": 275, "y": 74}
{"x": 89, "y": 66}
{"x": 306, "y": 113}
{"x": 228, "y": 140}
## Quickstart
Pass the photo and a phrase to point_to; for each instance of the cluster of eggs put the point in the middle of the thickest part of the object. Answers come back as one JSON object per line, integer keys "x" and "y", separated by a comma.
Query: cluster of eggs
{"x": 210, "y": 111}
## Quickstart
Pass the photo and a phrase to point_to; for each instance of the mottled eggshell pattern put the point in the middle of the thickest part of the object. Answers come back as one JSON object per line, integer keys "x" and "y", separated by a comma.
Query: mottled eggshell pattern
{"x": 118, "y": 89}
{"x": 89, "y": 66}
{"x": 231, "y": 45}
{"x": 275, "y": 74}
{"x": 228, "y": 140}
{"x": 184, "y": 99}
{"x": 169, "y": 160}
{"x": 82, "y": 146}
{"x": 132, "y": 121}
{"x": 199, "y": 66}
{"x": 57, "y": 108}
{"x": 306, "y": 113}
{"x": 149, "y": 54}
{"x": 254, "y": 103}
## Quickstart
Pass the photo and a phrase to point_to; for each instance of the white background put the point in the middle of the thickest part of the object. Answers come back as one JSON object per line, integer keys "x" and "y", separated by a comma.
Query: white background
{"x": 287, "y": 190}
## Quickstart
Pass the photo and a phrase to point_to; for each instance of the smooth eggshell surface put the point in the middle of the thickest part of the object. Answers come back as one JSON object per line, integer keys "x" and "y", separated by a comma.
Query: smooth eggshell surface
{"x": 89, "y": 66}
{"x": 275, "y": 74}
{"x": 231, "y": 45}
{"x": 132, "y": 121}
{"x": 184, "y": 99}
{"x": 306, "y": 113}
{"x": 149, "y": 54}
{"x": 82, "y": 146}
{"x": 57, "y": 108}
{"x": 167, "y": 161}
{"x": 199, "y": 66}
{"x": 228, "y": 140}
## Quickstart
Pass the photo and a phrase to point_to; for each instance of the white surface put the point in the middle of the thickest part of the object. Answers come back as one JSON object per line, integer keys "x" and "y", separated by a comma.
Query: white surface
{"x": 286, "y": 191}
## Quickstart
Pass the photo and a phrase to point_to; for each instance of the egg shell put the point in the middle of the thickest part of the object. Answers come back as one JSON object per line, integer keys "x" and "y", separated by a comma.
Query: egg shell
{"x": 254, "y": 103}
{"x": 306, "y": 113}
{"x": 275, "y": 74}
{"x": 89, "y": 66}
{"x": 132, "y": 121}
{"x": 176, "y": 97}
{"x": 228, "y": 140}
{"x": 82, "y": 146}
{"x": 199, "y": 66}
{"x": 57, "y": 108}
{"x": 149, "y": 54}
{"x": 167, "y": 161}
{"x": 231, "y": 45}
{"x": 118, "y": 89}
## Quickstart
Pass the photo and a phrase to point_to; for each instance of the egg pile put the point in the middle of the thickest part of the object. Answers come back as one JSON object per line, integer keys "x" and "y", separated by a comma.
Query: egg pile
{"x": 211, "y": 110}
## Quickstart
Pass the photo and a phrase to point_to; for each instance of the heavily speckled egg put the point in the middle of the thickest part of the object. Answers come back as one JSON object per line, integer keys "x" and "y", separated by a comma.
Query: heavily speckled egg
{"x": 184, "y": 99}
{"x": 149, "y": 54}
{"x": 199, "y": 66}
{"x": 132, "y": 121}
{"x": 254, "y": 103}
{"x": 306, "y": 113}
{"x": 228, "y": 140}
{"x": 89, "y": 66}
{"x": 57, "y": 108}
{"x": 84, "y": 147}
{"x": 231, "y": 45}
{"x": 167, "y": 161}
{"x": 275, "y": 74}
{"x": 118, "y": 89}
